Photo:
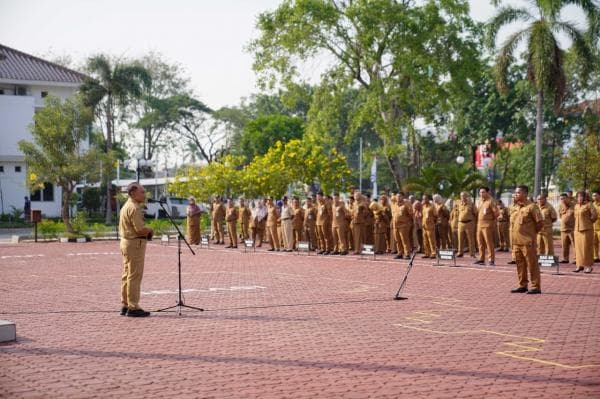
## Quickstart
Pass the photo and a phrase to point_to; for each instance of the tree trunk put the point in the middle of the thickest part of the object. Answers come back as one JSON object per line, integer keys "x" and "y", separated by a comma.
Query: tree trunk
{"x": 109, "y": 136}
{"x": 539, "y": 132}
{"x": 66, "y": 197}
{"x": 396, "y": 169}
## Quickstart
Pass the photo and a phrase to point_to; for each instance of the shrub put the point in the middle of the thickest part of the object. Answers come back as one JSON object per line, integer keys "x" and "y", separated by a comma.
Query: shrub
{"x": 160, "y": 226}
{"x": 79, "y": 223}
{"x": 51, "y": 229}
{"x": 100, "y": 229}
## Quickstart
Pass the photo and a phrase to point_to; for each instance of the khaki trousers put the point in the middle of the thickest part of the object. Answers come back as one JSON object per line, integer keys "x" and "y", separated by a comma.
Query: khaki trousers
{"x": 217, "y": 228}
{"x": 133, "y": 252}
{"x": 443, "y": 233}
{"x": 258, "y": 233}
{"x": 297, "y": 235}
{"x": 566, "y": 241}
{"x": 273, "y": 237}
{"x": 287, "y": 233}
{"x": 321, "y": 241}
{"x": 402, "y": 234}
{"x": 583, "y": 248}
{"x": 357, "y": 235}
{"x": 429, "y": 243}
{"x": 596, "y": 243}
{"x": 245, "y": 231}
{"x": 232, "y": 233}
{"x": 485, "y": 237}
{"x": 503, "y": 235}
{"x": 545, "y": 243}
{"x": 311, "y": 236}
{"x": 466, "y": 234}
{"x": 526, "y": 258}
{"x": 340, "y": 239}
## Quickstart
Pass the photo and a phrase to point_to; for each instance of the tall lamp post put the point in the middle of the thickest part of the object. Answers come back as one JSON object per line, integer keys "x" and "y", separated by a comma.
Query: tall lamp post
{"x": 141, "y": 162}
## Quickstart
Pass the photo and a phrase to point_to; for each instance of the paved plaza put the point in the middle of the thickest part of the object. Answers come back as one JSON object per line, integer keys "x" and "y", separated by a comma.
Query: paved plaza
{"x": 292, "y": 326}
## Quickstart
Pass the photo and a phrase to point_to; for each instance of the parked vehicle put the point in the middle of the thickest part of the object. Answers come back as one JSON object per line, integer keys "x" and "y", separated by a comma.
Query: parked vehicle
{"x": 176, "y": 206}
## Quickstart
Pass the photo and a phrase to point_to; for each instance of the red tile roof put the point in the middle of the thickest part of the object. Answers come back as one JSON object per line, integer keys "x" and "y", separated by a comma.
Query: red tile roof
{"x": 16, "y": 65}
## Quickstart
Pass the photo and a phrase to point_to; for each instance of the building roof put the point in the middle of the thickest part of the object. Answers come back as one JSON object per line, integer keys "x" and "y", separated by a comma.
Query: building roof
{"x": 578, "y": 109}
{"x": 18, "y": 66}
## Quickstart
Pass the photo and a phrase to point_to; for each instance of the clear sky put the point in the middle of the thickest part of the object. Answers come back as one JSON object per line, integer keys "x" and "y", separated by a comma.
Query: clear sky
{"x": 206, "y": 37}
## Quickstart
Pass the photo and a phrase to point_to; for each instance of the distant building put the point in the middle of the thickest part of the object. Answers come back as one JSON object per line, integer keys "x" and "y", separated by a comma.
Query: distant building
{"x": 24, "y": 82}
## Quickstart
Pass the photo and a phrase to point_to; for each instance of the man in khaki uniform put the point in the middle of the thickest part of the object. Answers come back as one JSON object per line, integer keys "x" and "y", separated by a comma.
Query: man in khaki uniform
{"x": 486, "y": 226}
{"x": 231, "y": 217}
{"x": 134, "y": 236}
{"x": 527, "y": 223}
{"x": 512, "y": 210}
{"x": 544, "y": 239}
{"x": 245, "y": 215}
{"x": 402, "y": 215}
{"x": 596, "y": 205}
{"x": 297, "y": 222}
{"x": 272, "y": 217}
{"x": 359, "y": 212}
{"x": 442, "y": 222}
{"x": 429, "y": 219}
{"x": 369, "y": 226}
{"x": 467, "y": 213}
{"x": 503, "y": 227}
{"x": 567, "y": 224}
{"x": 218, "y": 216}
{"x": 454, "y": 223}
{"x": 310, "y": 224}
{"x": 339, "y": 226}
{"x": 322, "y": 224}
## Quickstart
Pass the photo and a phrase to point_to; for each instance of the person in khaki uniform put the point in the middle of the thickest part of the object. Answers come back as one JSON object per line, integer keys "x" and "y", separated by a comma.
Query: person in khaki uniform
{"x": 512, "y": 210}
{"x": 454, "y": 214}
{"x": 272, "y": 217}
{"x": 359, "y": 212}
{"x": 297, "y": 222}
{"x": 527, "y": 223}
{"x": 393, "y": 247}
{"x": 596, "y": 205}
{"x": 567, "y": 224}
{"x": 322, "y": 224}
{"x": 378, "y": 226}
{"x": 467, "y": 214}
{"x": 369, "y": 226}
{"x": 544, "y": 239}
{"x": 340, "y": 224}
{"x": 287, "y": 226}
{"x": 382, "y": 226}
{"x": 134, "y": 236}
{"x": 193, "y": 213}
{"x": 310, "y": 224}
{"x": 402, "y": 215}
{"x": 429, "y": 217}
{"x": 486, "y": 226}
{"x": 245, "y": 215}
{"x": 585, "y": 216}
{"x": 218, "y": 216}
{"x": 258, "y": 223}
{"x": 503, "y": 227}
{"x": 442, "y": 222}
{"x": 231, "y": 217}
{"x": 350, "y": 208}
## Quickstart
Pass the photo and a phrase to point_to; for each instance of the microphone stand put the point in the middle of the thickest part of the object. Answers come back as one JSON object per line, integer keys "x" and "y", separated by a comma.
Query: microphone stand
{"x": 180, "y": 304}
{"x": 410, "y": 265}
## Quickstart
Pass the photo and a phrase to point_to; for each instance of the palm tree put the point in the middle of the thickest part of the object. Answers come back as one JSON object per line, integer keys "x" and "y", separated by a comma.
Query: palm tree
{"x": 110, "y": 87}
{"x": 544, "y": 57}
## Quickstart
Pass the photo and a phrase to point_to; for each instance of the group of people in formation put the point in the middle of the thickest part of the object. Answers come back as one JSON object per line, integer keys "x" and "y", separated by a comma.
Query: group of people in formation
{"x": 398, "y": 224}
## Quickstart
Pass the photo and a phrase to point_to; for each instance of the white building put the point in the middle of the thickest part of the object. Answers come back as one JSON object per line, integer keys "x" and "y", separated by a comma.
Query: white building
{"x": 24, "y": 82}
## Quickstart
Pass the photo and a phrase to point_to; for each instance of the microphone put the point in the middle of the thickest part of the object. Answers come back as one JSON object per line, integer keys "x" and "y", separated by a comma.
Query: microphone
{"x": 153, "y": 201}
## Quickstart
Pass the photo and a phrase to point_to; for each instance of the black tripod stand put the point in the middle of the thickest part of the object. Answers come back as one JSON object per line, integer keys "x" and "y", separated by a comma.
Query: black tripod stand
{"x": 180, "y": 237}
{"x": 410, "y": 265}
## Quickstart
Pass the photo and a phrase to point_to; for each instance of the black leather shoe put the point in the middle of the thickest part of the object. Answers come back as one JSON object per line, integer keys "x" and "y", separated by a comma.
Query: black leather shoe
{"x": 398, "y": 257}
{"x": 564, "y": 261}
{"x": 344, "y": 253}
{"x": 124, "y": 310}
{"x": 491, "y": 263}
{"x": 479, "y": 262}
{"x": 519, "y": 290}
{"x": 459, "y": 255}
{"x": 534, "y": 291}
{"x": 577, "y": 270}
{"x": 512, "y": 262}
{"x": 137, "y": 313}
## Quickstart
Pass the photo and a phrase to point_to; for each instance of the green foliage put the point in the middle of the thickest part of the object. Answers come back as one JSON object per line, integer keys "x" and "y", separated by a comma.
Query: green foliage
{"x": 99, "y": 229}
{"x": 51, "y": 229}
{"x": 447, "y": 180}
{"x": 56, "y": 155}
{"x": 90, "y": 199}
{"x": 263, "y": 132}
{"x": 16, "y": 213}
{"x": 79, "y": 223}
{"x": 160, "y": 226}
{"x": 580, "y": 167}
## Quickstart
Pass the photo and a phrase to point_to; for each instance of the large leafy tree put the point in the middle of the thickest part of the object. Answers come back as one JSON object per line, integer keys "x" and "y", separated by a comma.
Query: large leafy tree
{"x": 405, "y": 56}
{"x": 58, "y": 152}
{"x": 540, "y": 26}
{"x": 109, "y": 89}
{"x": 264, "y": 131}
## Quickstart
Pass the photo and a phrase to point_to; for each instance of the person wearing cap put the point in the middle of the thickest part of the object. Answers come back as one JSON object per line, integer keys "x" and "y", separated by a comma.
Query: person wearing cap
{"x": 544, "y": 239}
{"x": 245, "y": 215}
{"x": 272, "y": 217}
{"x": 193, "y": 213}
{"x": 231, "y": 216}
{"x": 359, "y": 211}
{"x": 134, "y": 235}
{"x": 322, "y": 224}
{"x": 585, "y": 216}
{"x": 218, "y": 217}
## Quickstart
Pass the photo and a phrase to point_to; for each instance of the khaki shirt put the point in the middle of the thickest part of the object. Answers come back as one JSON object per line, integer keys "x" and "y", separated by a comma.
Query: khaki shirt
{"x": 272, "y": 216}
{"x": 597, "y": 222}
{"x": 297, "y": 218}
{"x": 549, "y": 215}
{"x": 466, "y": 212}
{"x": 310, "y": 217}
{"x": 218, "y": 212}
{"x": 131, "y": 220}
{"x": 402, "y": 215}
{"x": 567, "y": 217}
{"x": 503, "y": 215}
{"x": 231, "y": 214}
{"x": 454, "y": 217}
{"x": 585, "y": 216}
{"x": 245, "y": 215}
{"x": 340, "y": 216}
{"x": 443, "y": 214}
{"x": 513, "y": 213}
{"x": 359, "y": 213}
{"x": 487, "y": 213}
{"x": 527, "y": 218}
{"x": 429, "y": 216}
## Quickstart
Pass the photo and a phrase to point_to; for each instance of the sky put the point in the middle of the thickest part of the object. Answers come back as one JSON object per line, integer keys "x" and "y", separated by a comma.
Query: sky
{"x": 206, "y": 37}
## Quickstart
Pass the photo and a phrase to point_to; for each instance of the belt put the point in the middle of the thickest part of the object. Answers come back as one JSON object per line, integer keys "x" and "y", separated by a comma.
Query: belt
{"x": 465, "y": 221}
{"x": 286, "y": 219}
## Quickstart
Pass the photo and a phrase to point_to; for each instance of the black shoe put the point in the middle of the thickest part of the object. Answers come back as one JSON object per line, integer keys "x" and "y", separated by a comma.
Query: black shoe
{"x": 335, "y": 253}
{"x": 534, "y": 291}
{"x": 272, "y": 249}
{"x": 425, "y": 256}
{"x": 124, "y": 310}
{"x": 491, "y": 263}
{"x": 325, "y": 253}
{"x": 344, "y": 253}
{"x": 320, "y": 252}
{"x": 512, "y": 262}
{"x": 398, "y": 257}
{"x": 519, "y": 290}
{"x": 596, "y": 260}
{"x": 479, "y": 262}
{"x": 137, "y": 313}
{"x": 579, "y": 269}
{"x": 564, "y": 261}
{"x": 459, "y": 255}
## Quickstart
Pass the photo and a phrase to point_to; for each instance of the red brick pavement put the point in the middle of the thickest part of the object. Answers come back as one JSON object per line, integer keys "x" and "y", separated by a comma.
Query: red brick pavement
{"x": 291, "y": 326}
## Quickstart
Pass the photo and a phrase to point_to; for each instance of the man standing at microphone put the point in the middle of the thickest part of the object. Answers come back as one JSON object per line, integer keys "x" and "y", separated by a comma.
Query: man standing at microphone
{"x": 134, "y": 236}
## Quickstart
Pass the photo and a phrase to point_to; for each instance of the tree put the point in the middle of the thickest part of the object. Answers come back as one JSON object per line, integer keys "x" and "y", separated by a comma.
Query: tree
{"x": 263, "y": 132}
{"x": 448, "y": 181}
{"x": 57, "y": 153}
{"x": 405, "y": 58}
{"x": 110, "y": 88}
{"x": 544, "y": 56}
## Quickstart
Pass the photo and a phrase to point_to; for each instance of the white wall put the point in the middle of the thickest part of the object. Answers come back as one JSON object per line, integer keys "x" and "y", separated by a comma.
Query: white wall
{"x": 16, "y": 113}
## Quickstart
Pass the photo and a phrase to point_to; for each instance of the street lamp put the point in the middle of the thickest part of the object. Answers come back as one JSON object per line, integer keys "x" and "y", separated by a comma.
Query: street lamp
{"x": 460, "y": 159}
{"x": 140, "y": 163}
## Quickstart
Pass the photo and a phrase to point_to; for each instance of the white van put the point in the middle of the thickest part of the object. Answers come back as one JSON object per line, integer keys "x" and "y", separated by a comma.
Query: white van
{"x": 176, "y": 206}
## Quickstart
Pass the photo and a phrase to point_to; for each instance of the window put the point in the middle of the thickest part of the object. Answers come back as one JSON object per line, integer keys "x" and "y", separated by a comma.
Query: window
{"x": 17, "y": 169}
{"x": 1, "y": 169}
{"x": 1, "y": 91}
{"x": 44, "y": 94}
{"x": 21, "y": 91}
{"x": 45, "y": 195}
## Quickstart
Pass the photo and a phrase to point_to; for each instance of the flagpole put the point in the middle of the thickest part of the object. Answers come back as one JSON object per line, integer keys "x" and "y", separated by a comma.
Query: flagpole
{"x": 360, "y": 154}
